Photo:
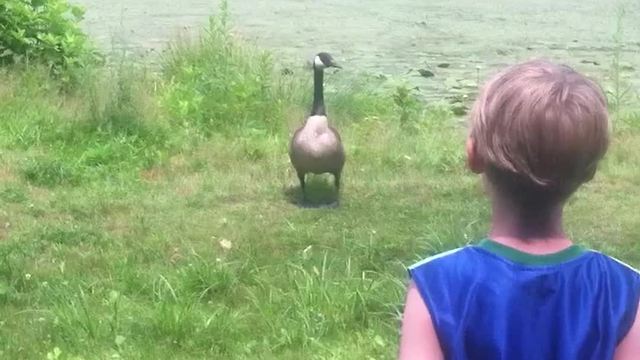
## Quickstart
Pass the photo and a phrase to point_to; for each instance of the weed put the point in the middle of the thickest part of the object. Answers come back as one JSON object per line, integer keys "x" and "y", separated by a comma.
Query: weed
{"x": 618, "y": 92}
{"x": 208, "y": 280}
{"x": 47, "y": 172}
{"x": 407, "y": 103}
{"x": 621, "y": 95}
{"x": 218, "y": 85}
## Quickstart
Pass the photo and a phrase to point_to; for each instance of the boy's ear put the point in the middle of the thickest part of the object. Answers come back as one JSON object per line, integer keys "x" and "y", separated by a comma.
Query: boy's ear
{"x": 474, "y": 162}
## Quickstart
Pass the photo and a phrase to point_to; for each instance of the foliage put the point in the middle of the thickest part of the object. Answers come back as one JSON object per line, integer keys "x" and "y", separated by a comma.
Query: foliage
{"x": 44, "y": 31}
{"x": 219, "y": 85}
{"x": 407, "y": 104}
{"x": 108, "y": 126}
{"x": 622, "y": 96}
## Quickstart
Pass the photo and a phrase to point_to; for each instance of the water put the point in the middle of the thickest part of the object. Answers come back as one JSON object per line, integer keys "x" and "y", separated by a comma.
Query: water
{"x": 471, "y": 38}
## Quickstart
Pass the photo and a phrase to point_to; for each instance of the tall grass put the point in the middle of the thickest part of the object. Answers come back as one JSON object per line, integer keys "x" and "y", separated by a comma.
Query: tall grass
{"x": 618, "y": 92}
{"x": 622, "y": 96}
{"x": 108, "y": 123}
{"x": 220, "y": 85}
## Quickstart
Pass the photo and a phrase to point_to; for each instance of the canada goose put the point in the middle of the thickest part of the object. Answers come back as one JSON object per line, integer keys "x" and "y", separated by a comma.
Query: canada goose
{"x": 317, "y": 147}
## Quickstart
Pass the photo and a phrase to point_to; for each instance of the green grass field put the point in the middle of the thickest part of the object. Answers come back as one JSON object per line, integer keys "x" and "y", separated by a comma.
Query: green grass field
{"x": 154, "y": 216}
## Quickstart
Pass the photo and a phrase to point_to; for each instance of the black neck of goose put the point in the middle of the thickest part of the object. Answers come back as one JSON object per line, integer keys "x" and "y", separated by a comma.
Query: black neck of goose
{"x": 318, "y": 92}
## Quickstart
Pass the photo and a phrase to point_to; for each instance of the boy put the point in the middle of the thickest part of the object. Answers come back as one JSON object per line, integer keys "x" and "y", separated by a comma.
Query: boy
{"x": 538, "y": 130}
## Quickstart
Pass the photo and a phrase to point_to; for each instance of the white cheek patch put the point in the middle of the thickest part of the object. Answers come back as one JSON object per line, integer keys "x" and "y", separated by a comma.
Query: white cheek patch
{"x": 318, "y": 62}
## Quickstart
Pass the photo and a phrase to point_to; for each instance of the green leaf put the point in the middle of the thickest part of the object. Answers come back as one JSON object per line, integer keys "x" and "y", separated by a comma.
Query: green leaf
{"x": 78, "y": 12}
{"x": 45, "y": 31}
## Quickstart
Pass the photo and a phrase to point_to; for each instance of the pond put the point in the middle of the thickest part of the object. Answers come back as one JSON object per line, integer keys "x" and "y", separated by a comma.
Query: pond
{"x": 456, "y": 41}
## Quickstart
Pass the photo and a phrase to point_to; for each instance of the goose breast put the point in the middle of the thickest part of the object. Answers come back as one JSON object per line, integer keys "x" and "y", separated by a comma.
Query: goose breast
{"x": 317, "y": 148}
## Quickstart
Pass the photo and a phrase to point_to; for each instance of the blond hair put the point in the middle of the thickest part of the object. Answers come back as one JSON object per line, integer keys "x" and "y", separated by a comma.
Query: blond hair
{"x": 540, "y": 127}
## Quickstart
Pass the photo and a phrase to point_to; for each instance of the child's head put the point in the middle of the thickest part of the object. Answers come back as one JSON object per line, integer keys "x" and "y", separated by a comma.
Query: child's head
{"x": 538, "y": 130}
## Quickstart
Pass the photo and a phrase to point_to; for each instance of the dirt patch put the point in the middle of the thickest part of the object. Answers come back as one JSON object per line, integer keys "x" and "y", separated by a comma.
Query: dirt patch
{"x": 6, "y": 174}
{"x": 119, "y": 224}
{"x": 188, "y": 185}
{"x": 152, "y": 175}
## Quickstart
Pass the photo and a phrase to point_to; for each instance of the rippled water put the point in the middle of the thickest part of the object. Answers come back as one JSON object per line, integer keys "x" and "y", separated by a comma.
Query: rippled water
{"x": 393, "y": 37}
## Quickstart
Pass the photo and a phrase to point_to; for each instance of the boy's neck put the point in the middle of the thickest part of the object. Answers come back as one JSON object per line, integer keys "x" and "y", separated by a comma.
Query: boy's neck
{"x": 538, "y": 232}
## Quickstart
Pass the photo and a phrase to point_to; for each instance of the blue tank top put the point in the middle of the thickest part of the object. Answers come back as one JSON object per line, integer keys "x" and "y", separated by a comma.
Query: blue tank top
{"x": 489, "y": 301}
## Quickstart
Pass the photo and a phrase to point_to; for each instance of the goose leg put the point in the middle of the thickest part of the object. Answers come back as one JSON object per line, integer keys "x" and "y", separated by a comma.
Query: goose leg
{"x": 336, "y": 181}
{"x": 302, "y": 187}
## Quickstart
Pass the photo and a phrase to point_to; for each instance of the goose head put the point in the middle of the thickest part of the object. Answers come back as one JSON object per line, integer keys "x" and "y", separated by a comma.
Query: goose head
{"x": 324, "y": 60}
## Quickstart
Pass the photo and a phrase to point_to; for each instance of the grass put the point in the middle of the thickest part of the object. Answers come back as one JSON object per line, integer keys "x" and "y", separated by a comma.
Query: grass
{"x": 153, "y": 216}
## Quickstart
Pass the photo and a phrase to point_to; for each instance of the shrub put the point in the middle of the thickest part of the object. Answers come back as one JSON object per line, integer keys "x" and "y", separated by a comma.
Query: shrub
{"x": 44, "y": 31}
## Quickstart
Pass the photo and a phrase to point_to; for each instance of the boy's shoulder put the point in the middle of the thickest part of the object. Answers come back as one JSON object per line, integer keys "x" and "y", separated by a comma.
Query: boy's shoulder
{"x": 450, "y": 276}
{"x": 458, "y": 260}
{"x": 471, "y": 257}
{"x": 445, "y": 257}
{"x": 611, "y": 264}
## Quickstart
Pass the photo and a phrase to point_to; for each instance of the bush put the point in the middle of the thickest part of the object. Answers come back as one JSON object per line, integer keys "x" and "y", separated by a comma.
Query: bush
{"x": 44, "y": 31}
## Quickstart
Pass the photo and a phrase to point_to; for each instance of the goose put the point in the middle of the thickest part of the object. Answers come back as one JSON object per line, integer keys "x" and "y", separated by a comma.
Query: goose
{"x": 316, "y": 147}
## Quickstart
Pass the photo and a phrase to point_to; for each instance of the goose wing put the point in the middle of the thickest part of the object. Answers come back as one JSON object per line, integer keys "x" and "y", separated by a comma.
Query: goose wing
{"x": 340, "y": 155}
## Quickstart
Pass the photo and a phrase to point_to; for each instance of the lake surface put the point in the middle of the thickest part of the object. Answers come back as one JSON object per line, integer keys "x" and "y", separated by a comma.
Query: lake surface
{"x": 393, "y": 37}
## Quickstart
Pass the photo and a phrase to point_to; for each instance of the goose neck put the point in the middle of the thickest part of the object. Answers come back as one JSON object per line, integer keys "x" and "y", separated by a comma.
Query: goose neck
{"x": 318, "y": 92}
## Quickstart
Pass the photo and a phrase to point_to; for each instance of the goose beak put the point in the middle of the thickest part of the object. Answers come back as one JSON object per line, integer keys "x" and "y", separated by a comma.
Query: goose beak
{"x": 335, "y": 65}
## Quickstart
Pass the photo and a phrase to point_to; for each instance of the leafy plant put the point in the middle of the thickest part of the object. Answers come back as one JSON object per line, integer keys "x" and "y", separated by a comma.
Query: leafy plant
{"x": 44, "y": 31}
{"x": 220, "y": 85}
{"x": 407, "y": 103}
